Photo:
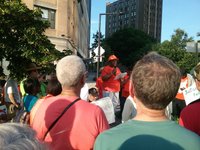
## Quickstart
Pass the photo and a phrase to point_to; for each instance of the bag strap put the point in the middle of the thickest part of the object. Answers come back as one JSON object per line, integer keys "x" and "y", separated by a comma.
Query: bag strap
{"x": 55, "y": 121}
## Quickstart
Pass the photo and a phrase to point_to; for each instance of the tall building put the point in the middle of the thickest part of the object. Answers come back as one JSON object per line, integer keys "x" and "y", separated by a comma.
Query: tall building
{"x": 69, "y": 23}
{"x": 145, "y": 15}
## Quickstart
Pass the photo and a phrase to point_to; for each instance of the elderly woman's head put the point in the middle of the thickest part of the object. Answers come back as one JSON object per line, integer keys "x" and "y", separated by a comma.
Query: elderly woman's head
{"x": 70, "y": 70}
{"x": 17, "y": 136}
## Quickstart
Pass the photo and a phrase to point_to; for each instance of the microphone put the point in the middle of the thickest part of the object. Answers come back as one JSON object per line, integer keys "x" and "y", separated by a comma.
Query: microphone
{"x": 114, "y": 70}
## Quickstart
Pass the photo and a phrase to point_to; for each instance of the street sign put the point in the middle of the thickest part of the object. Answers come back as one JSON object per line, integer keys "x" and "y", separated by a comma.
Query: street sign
{"x": 191, "y": 47}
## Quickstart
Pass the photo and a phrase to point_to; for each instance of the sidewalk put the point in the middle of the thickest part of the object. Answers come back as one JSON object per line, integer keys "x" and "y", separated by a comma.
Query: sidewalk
{"x": 90, "y": 80}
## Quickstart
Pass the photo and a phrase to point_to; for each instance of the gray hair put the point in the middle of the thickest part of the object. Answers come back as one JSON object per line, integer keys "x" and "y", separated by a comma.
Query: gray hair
{"x": 69, "y": 70}
{"x": 15, "y": 136}
{"x": 156, "y": 80}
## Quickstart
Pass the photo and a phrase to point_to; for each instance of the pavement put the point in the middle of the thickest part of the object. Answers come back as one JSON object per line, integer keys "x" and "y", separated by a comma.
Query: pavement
{"x": 91, "y": 79}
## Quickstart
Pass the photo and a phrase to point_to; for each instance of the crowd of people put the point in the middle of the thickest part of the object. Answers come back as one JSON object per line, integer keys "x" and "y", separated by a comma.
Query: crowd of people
{"x": 60, "y": 118}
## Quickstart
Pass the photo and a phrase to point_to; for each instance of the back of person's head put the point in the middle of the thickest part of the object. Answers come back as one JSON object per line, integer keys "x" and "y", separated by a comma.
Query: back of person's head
{"x": 31, "y": 86}
{"x": 155, "y": 81}
{"x": 183, "y": 72}
{"x": 93, "y": 94}
{"x": 70, "y": 70}
{"x": 93, "y": 91}
{"x": 14, "y": 136}
{"x": 54, "y": 87}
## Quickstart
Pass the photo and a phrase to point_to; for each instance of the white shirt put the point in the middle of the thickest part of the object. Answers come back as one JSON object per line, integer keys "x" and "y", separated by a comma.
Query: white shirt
{"x": 129, "y": 110}
{"x": 11, "y": 88}
{"x": 84, "y": 92}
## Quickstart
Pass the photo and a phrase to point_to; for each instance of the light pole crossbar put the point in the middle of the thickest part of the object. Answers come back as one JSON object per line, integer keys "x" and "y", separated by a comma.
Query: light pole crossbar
{"x": 99, "y": 33}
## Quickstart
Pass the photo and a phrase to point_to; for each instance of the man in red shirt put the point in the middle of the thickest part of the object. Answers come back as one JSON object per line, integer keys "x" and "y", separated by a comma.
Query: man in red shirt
{"x": 125, "y": 89}
{"x": 179, "y": 102}
{"x": 81, "y": 123}
{"x": 189, "y": 117}
{"x": 111, "y": 83}
{"x": 99, "y": 85}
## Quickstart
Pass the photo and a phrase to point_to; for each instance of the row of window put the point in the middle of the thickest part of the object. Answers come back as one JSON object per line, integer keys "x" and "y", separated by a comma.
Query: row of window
{"x": 125, "y": 22}
{"x": 123, "y": 3}
{"x": 122, "y": 9}
{"x": 111, "y": 30}
{"x": 122, "y": 17}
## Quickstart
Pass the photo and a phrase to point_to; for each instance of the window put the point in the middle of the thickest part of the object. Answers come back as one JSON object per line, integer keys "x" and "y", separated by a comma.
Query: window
{"x": 48, "y": 14}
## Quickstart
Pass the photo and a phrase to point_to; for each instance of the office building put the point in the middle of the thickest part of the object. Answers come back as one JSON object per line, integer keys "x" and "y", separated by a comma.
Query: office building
{"x": 145, "y": 15}
{"x": 69, "y": 23}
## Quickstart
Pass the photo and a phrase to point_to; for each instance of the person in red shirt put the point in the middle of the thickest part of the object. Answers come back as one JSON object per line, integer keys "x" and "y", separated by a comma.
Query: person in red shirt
{"x": 189, "y": 117}
{"x": 179, "y": 102}
{"x": 99, "y": 84}
{"x": 81, "y": 123}
{"x": 111, "y": 82}
{"x": 125, "y": 89}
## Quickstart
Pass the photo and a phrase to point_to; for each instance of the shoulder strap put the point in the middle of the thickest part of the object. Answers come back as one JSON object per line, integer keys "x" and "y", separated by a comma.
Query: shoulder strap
{"x": 55, "y": 121}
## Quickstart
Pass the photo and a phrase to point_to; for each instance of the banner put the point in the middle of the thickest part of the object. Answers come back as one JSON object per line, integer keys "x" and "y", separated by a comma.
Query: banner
{"x": 191, "y": 94}
{"x": 107, "y": 107}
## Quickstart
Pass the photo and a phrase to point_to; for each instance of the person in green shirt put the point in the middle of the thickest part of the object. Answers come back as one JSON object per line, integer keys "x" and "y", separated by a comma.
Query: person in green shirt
{"x": 32, "y": 72}
{"x": 154, "y": 83}
{"x": 43, "y": 86}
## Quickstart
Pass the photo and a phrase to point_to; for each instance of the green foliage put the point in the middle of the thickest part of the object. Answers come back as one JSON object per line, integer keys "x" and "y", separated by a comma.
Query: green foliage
{"x": 22, "y": 37}
{"x": 129, "y": 45}
{"x": 175, "y": 49}
{"x": 95, "y": 43}
{"x": 95, "y": 37}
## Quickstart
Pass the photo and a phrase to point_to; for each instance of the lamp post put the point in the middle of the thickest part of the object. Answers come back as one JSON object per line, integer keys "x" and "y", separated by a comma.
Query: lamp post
{"x": 99, "y": 50}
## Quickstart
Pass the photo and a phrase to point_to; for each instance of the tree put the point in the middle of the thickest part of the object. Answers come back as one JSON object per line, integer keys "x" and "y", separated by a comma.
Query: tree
{"x": 198, "y": 33}
{"x": 175, "y": 49}
{"x": 95, "y": 43}
{"x": 95, "y": 37}
{"x": 22, "y": 37}
{"x": 129, "y": 45}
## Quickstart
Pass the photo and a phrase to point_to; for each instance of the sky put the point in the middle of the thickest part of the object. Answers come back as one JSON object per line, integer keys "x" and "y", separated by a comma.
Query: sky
{"x": 183, "y": 14}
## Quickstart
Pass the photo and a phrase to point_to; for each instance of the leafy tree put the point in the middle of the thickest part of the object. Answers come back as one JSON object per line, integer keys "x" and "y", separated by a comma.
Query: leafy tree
{"x": 95, "y": 43}
{"x": 175, "y": 49}
{"x": 95, "y": 37}
{"x": 129, "y": 45}
{"x": 22, "y": 37}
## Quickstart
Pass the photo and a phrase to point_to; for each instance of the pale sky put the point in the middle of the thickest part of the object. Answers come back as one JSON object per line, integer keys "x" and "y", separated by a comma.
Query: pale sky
{"x": 182, "y": 14}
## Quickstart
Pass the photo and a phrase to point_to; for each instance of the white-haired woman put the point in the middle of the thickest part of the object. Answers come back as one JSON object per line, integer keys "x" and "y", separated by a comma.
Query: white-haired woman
{"x": 81, "y": 123}
{"x": 17, "y": 136}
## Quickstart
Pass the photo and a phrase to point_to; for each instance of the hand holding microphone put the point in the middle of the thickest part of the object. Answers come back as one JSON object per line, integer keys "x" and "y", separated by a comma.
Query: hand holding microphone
{"x": 114, "y": 70}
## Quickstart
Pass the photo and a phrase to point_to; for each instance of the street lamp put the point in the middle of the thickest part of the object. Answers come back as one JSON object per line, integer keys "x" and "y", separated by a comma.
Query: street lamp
{"x": 101, "y": 14}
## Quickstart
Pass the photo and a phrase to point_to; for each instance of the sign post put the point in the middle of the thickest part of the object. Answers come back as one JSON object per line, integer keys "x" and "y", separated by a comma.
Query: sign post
{"x": 193, "y": 47}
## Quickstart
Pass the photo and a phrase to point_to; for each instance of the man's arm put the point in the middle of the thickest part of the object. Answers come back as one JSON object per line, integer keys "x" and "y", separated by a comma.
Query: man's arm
{"x": 108, "y": 75}
{"x": 12, "y": 99}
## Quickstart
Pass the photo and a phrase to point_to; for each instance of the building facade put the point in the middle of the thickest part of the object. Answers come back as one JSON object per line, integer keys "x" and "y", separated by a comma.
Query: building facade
{"x": 69, "y": 23}
{"x": 145, "y": 15}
